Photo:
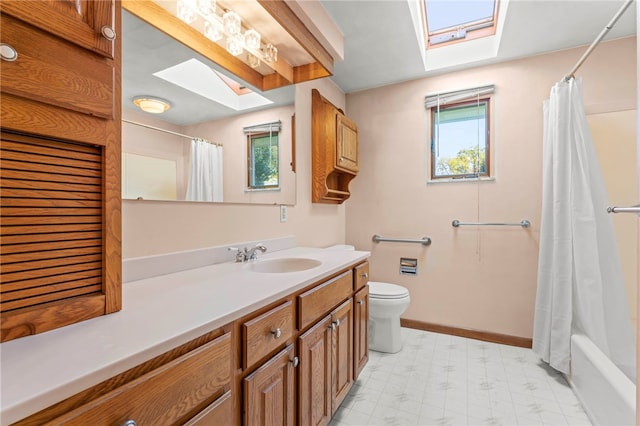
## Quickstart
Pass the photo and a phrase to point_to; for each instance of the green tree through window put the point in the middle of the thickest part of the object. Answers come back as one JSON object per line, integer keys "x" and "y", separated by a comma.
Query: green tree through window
{"x": 460, "y": 140}
{"x": 263, "y": 161}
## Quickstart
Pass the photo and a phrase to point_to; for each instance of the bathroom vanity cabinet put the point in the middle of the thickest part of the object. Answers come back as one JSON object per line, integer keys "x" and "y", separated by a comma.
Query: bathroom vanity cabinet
{"x": 290, "y": 361}
{"x": 334, "y": 158}
{"x": 190, "y": 384}
{"x": 324, "y": 359}
{"x": 60, "y": 164}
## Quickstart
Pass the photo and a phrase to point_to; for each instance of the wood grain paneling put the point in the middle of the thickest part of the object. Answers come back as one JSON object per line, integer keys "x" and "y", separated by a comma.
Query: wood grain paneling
{"x": 47, "y": 415}
{"x": 486, "y": 336}
{"x": 267, "y": 332}
{"x": 314, "y": 376}
{"x": 78, "y": 22}
{"x": 342, "y": 354}
{"x": 318, "y": 301}
{"x": 60, "y": 73}
{"x": 360, "y": 330}
{"x": 171, "y": 394}
{"x": 44, "y": 262}
{"x": 269, "y": 392}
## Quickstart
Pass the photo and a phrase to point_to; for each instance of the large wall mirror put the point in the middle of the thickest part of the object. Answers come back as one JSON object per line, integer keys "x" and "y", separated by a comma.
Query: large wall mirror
{"x": 210, "y": 114}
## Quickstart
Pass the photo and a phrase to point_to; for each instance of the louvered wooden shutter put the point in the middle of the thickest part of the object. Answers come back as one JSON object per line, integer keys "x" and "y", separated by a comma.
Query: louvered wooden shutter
{"x": 51, "y": 242}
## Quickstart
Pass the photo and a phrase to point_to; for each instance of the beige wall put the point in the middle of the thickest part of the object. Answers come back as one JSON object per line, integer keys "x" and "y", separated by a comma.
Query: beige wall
{"x": 152, "y": 143}
{"x": 473, "y": 278}
{"x": 614, "y": 136}
{"x": 154, "y": 227}
{"x": 229, "y": 133}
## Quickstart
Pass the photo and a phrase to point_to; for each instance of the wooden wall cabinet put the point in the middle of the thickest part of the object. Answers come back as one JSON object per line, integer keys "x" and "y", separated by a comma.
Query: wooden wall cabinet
{"x": 60, "y": 164}
{"x": 334, "y": 157}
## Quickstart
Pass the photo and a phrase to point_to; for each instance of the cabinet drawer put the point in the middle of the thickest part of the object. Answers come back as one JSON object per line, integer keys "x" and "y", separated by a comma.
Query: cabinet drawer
{"x": 218, "y": 413}
{"x": 263, "y": 334}
{"x": 56, "y": 72}
{"x": 170, "y": 394}
{"x": 362, "y": 276}
{"x": 319, "y": 300}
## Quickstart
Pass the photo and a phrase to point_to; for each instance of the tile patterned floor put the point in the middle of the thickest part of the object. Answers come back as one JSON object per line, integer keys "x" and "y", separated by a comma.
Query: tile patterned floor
{"x": 445, "y": 380}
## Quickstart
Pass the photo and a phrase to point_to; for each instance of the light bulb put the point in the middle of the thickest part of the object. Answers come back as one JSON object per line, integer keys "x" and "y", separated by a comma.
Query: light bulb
{"x": 207, "y": 7}
{"x": 252, "y": 39}
{"x": 235, "y": 44}
{"x": 186, "y": 10}
{"x": 212, "y": 30}
{"x": 232, "y": 22}
{"x": 254, "y": 61}
{"x": 270, "y": 53}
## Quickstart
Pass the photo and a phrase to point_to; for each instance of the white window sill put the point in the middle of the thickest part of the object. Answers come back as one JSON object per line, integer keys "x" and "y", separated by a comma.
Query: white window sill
{"x": 461, "y": 180}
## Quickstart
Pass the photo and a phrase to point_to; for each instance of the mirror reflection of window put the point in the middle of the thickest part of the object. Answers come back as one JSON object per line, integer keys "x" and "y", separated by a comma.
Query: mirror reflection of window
{"x": 263, "y": 165}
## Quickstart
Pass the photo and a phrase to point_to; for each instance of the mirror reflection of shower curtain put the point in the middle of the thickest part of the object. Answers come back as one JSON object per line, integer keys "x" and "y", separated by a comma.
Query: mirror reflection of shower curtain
{"x": 580, "y": 281}
{"x": 205, "y": 175}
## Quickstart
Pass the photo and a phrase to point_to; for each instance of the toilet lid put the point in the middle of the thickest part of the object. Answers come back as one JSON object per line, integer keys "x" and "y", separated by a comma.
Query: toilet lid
{"x": 380, "y": 290}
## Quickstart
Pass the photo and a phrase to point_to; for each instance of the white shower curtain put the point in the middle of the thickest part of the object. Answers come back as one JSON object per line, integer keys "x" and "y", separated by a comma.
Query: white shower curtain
{"x": 580, "y": 281}
{"x": 205, "y": 177}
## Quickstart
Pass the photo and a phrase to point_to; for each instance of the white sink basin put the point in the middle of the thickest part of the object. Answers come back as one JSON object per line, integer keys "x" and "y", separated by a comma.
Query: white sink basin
{"x": 282, "y": 265}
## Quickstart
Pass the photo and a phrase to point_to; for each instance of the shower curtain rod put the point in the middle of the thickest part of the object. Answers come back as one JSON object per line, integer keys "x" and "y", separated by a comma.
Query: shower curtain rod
{"x": 603, "y": 33}
{"x": 168, "y": 131}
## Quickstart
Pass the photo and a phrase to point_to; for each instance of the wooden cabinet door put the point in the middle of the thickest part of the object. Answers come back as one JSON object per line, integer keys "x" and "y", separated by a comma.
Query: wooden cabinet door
{"x": 342, "y": 353}
{"x": 269, "y": 397}
{"x": 314, "y": 375}
{"x": 82, "y": 22}
{"x": 346, "y": 144}
{"x": 360, "y": 331}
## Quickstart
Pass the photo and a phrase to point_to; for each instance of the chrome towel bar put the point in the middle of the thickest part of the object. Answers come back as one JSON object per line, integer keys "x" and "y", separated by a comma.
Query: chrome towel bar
{"x": 523, "y": 223}
{"x": 632, "y": 209}
{"x": 425, "y": 241}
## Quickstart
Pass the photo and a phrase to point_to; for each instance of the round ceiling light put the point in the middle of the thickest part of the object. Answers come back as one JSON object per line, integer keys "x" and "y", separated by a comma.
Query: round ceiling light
{"x": 151, "y": 104}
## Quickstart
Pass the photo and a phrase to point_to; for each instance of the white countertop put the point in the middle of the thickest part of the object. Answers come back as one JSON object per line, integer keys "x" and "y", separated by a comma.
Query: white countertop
{"x": 158, "y": 314}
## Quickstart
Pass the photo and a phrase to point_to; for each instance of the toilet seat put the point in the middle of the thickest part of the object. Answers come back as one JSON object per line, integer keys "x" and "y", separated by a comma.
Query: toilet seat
{"x": 379, "y": 290}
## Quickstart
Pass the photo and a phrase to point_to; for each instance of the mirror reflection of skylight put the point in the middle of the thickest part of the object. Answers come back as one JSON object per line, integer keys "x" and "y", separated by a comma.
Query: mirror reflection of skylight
{"x": 442, "y": 14}
{"x": 202, "y": 80}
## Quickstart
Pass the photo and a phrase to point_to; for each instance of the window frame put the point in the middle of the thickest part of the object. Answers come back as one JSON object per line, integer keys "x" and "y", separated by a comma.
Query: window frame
{"x": 250, "y": 169}
{"x": 473, "y": 30}
{"x": 488, "y": 175}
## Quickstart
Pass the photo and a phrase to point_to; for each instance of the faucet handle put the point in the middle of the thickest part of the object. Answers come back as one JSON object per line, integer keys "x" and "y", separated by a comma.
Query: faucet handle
{"x": 240, "y": 254}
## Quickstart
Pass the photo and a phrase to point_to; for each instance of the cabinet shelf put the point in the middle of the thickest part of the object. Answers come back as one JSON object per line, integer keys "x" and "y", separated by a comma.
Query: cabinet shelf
{"x": 334, "y": 141}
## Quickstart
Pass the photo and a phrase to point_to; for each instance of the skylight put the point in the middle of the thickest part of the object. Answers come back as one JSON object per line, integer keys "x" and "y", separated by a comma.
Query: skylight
{"x": 202, "y": 80}
{"x": 449, "y": 21}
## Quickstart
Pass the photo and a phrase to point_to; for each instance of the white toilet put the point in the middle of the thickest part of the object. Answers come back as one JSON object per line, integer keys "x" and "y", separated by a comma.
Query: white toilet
{"x": 386, "y": 303}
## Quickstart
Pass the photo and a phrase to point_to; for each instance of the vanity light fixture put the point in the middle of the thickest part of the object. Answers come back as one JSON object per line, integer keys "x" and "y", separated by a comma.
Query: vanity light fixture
{"x": 227, "y": 24}
{"x": 151, "y": 104}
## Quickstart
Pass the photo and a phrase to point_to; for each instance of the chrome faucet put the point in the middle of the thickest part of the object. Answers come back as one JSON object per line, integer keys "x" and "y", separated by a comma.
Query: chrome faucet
{"x": 248, "y": 253}
{"x": 252, "y": 253}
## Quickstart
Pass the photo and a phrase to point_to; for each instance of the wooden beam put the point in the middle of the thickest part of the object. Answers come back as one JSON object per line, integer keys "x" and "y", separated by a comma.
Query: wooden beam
{"x": 158, "y": 17}
{"x": 309, "y": 72}
{"x": 282, "y": 13}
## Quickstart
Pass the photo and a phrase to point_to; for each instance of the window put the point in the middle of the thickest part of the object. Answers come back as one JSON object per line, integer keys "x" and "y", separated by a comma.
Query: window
{"x": 263, "y": 161}
{"x": 448, "y": 22}
{"x": 263, "y": 165}
{"x": 460, "y": 134}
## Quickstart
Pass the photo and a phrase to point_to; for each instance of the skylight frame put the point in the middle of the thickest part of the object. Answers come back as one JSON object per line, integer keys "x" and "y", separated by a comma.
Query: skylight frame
{"x": 479, "y": 28}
